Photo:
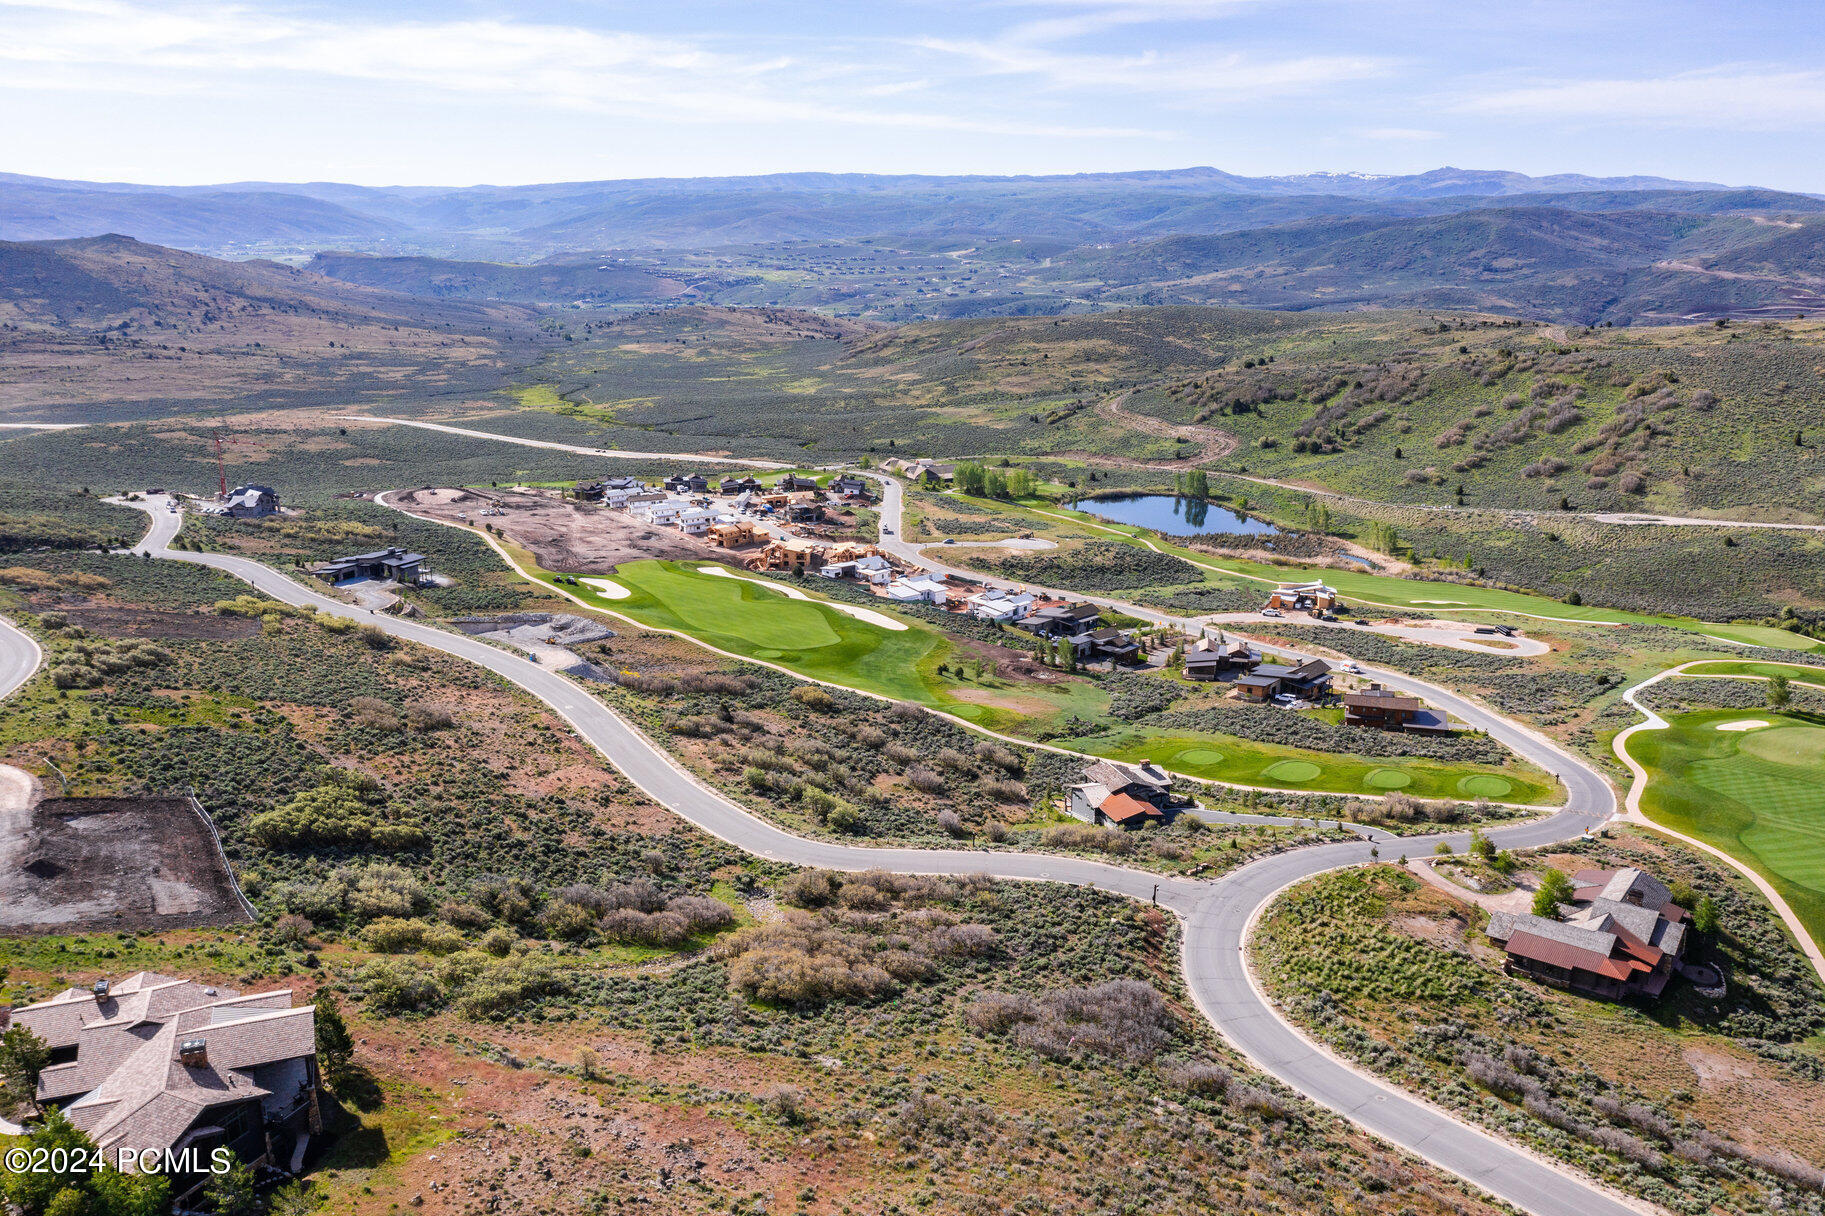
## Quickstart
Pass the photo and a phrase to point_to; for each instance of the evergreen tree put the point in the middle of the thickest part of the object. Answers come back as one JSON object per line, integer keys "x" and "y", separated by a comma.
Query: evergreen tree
{"x": 335, "y": 1045}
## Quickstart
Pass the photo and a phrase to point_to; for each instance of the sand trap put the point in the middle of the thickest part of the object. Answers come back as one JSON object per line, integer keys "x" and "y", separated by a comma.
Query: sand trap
{"x": 1745, "y": 724}
{"x": 1458, "y": 603}
{"x": 607, "y": 589}
{"x": 866, "y": 615}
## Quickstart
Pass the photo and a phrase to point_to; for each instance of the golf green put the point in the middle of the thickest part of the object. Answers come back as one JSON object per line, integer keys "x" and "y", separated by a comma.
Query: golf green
{"x": 1201, "y": 755}
{"x": 1294, "y": 771}
{"x": 1391, "y": 779}
{"x": 1485, "y": 786}
{"x": 1757, "y": 794}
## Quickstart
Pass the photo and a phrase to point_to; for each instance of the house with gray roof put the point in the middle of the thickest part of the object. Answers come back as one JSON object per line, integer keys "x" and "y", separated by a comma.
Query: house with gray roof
{"x": 1622, "y": 936}
{"x": 154, "y": 1064}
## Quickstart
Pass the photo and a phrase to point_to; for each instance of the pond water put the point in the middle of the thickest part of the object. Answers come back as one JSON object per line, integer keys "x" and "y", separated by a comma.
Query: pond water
{"x": 1172, "y": 515}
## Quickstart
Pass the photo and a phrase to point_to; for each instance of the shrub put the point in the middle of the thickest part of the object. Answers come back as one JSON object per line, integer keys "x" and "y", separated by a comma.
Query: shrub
{"x": 813, "y": 697}
{"x": 394, "y": 935}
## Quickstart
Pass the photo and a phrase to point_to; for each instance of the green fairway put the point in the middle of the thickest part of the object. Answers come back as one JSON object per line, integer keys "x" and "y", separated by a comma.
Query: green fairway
{"x": 754, "y": 618}
{"x": 1246, "y": 762}
{"x": 757, "y": 619}
{"x": 1795, "y": 672}
{"x": 1758, "y": 794}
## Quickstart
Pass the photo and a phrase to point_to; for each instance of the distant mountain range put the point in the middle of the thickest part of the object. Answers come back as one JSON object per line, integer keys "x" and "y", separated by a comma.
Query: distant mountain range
{"x": 537, "y": 220}
{"x": 1564, "y": 247}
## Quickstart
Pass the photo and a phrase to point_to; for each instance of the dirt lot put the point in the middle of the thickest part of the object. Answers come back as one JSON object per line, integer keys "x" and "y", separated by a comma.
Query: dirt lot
{"x": 71, "y": 864}
{"x": 114, "y": 622}
{"x": 561, "y": 534}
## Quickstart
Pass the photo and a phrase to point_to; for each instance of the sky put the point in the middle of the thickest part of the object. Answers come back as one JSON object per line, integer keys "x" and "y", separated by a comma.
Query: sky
{"x": 459, "y": 92}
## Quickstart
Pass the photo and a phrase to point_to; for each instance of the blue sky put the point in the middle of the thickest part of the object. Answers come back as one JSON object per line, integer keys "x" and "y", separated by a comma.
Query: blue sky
{"x": 464, "y": 91}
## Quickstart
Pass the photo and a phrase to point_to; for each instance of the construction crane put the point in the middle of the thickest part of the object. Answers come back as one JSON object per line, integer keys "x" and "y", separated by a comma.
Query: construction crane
{"x": 221, "y": 467}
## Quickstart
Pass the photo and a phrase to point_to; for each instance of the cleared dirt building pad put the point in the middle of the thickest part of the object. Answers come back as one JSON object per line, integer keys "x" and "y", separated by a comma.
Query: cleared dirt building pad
{"x": 114, "y": 863}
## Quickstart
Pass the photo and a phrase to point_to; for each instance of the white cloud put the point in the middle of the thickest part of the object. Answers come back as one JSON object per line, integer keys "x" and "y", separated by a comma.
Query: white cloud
{"x": 1725, "y": 98}
{"x": 1401, "y": 134}
{"x": 120, "y": 46}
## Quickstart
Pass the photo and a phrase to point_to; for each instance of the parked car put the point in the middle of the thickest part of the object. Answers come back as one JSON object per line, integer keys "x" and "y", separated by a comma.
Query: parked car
{"x": 1270, "y": 612}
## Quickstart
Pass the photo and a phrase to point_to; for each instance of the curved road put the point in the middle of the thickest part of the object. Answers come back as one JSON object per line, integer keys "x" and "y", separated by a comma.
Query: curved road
{"x": 1216, "y": 915}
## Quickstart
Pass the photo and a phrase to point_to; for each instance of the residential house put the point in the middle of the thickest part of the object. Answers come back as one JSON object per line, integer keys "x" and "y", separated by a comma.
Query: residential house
{"x": 792, "y": 483}
{"x": 1122, "y": 795}
{"x": 251, "y": 502}
{"x": 696, "y": 521}
{"x": 871, "y": 568}
{"x": 588, "y": 491}
{"x": 1388, "y": 710}
{"x": 1056, "y": 619}
{"x": 1210, "y": 658}
{"x": 395, "y": 564}
{"x": 1001, "y": 605}
{"x": 1623, "y": 937}
{"x": 734, "y": 535}
{"x": 921, "y": 589}
{"x": 153, "y": 1064}
{"x": 804, "y": 507}
{"x": 662, "y": 514}
{"x": 631, "y": 484}
{"x": 850, "y": 486}
{"x": 687, "y": 483}
{"x": 1115, "y": 645}
{"x": 1303, "y": 597}
{"x": 737, "y": 485}
{"x": 1309, "y": 680}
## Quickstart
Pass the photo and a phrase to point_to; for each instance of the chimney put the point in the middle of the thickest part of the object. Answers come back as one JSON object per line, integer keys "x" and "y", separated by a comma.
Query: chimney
{"x": 100, "y": 989}
{"x": 193, "y": 1053}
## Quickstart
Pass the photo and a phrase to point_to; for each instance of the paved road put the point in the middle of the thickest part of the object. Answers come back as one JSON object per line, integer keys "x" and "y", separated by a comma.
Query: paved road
{"x": 1216, "y": 915}
{"x": 19, "y": 657}
{"x": 614, "y": 453}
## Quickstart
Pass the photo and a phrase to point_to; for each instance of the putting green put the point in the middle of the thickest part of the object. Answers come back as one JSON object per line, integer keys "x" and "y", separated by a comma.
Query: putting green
{"x": 1392, "y": 779}
{"x": 1201, "y": 755}
{"x": 1758, "y": 795}
{"x": 1485, "y": 786}
{"x": 1803, "y": 746}
{"x": 1294, "y": 771}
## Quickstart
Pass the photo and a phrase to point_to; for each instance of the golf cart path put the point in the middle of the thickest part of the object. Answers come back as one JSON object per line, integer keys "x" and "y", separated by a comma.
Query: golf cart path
{"x": 1217, "y": 916}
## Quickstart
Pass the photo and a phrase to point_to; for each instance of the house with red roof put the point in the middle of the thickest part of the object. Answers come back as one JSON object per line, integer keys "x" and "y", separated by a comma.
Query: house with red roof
{"x": 1621, "y": 936}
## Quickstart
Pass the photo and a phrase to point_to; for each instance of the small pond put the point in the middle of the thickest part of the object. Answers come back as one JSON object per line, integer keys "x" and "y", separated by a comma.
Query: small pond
{"x": 1172, "y": 515}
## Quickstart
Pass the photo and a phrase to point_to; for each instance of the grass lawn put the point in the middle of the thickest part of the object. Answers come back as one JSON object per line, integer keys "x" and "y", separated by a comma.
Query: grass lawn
{"x": 1228, "y": 758}
{"x": 1757, "y": 794}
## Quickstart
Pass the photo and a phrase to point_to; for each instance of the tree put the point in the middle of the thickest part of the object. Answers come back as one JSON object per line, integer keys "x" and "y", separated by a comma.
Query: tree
{"x": 335, "y": 1045}
{"x": 23, "y": 1055}
{"x": 1780, "y": 690}
{"x": 1555, "y": 889}
{"x": 1705, "y": 916}
{"x": 1482, "y": 846}
{"x": 1504, "y": 863}
{"x": 78, "y": 1191}
{"x": 231, "y": 1192}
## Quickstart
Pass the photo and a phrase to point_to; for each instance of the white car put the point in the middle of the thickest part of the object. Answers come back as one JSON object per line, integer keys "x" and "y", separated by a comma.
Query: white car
{"x": 1353, "y": 669}
{"x": 1270, "y": 612}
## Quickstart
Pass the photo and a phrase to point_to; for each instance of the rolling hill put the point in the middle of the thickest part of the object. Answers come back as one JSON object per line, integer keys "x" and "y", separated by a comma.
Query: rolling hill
{"x": 1588, "y": 267}
{"x": 139, "y": 328}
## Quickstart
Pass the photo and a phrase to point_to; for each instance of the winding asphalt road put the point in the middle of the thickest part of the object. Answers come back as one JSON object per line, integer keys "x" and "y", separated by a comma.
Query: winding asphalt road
{"x": 1216, "y": 915}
